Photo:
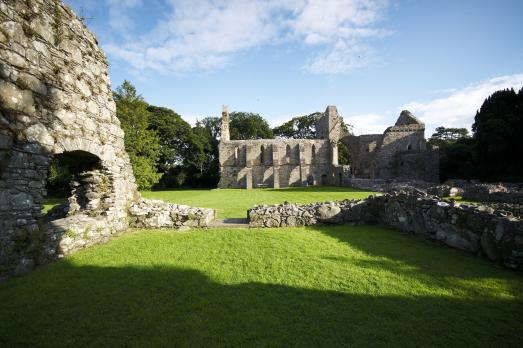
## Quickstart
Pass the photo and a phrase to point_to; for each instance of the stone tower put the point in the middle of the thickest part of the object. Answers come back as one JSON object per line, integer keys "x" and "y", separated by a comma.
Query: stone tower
{"x": 225, "y": 135}
{"x": 328, "y": 127}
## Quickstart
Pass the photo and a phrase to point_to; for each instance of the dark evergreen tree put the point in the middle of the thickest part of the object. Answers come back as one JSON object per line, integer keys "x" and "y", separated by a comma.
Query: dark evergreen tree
{"x": 498, "y": 127}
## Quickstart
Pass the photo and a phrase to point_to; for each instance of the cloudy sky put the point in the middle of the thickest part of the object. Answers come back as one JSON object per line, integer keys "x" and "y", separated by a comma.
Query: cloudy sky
{"x": 370, "y": 58}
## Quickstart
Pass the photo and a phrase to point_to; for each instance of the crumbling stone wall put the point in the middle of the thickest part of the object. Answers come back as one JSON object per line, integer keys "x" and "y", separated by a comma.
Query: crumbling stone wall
{"x": 281, "y": 162}
{"x": 399, "y": 153}
{"x": 495, "y": 232}
{"x": 55, "y": 98}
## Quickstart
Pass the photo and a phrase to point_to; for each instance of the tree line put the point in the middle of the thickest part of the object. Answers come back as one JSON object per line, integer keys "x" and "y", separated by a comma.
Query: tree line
{"x": 494, "y": 151}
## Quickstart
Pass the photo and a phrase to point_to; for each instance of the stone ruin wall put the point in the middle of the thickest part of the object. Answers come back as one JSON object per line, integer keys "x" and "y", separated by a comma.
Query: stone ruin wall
{"x": 281, "y": 162}
{"x": 55, "y": 98}
{"x": 492, "y": 231}
{"x": 400, "y": 153}
{"x": 293, "y": 162}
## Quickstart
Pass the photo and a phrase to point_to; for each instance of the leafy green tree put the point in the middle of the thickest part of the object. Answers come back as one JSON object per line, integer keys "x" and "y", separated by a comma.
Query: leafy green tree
{"x": 445, "y": 135}
{"x": 498, "y": 127}
{"x": 300, "y": 127}
{"x": 141, "y": 143}
{"x": 174, "y": 133}
{"x": 247, "y": 125}
{"x": 202, "y": 160}
{"x": 214, "y": 126}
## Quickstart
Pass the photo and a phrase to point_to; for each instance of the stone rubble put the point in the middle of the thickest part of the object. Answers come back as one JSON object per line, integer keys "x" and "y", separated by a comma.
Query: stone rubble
{"x": 152, "y": 213}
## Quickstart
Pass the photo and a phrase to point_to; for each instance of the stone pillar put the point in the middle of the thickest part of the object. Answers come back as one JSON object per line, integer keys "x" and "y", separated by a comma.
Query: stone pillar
{"x": 276, "y": 177}
{"x": 225, "y": 136}
{"x": 248, "y": 178}
{"x": 303, "y": 164}
{"x": 334, "y": 153}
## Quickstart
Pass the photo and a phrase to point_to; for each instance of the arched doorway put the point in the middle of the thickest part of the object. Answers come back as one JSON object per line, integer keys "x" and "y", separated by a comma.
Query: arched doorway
{"x": 78, "y": 179}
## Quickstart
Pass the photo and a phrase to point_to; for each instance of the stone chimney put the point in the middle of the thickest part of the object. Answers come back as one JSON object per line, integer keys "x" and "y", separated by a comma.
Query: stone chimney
{"x": 225, "y": 136}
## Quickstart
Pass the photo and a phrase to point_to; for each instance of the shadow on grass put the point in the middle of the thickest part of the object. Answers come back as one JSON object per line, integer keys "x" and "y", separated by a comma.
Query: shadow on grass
{"x": 67, "y": 305}
{"x": 413, "y": 257}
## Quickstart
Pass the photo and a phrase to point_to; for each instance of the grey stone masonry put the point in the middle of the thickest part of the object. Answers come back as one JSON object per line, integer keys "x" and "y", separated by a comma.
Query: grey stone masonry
{"x": 281, "y": 162}
{"x": 495, "y": 232}
{"x": 56, "y": 100}
{"x": 400, "y": 153}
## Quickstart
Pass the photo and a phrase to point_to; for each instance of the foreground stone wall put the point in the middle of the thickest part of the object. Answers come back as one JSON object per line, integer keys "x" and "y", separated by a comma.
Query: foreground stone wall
{"x": 149, "y": 213}
{"x": 493, "y": 232}
{"x": 56, "y": 100}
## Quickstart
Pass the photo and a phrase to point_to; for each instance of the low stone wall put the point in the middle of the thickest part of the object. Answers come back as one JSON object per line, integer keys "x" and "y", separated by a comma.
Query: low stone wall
{"x": 152, "y": 213}
{"x": 479, "y": 229}
{"x": 506, "y": 193}
{"x": 385, "y": 185}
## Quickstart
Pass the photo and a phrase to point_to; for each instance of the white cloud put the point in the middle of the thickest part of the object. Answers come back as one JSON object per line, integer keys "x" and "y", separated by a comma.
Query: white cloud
{"x": 206, "y": 34}
{"x": 459, "y": 108}
{"x": 368, "y": 123}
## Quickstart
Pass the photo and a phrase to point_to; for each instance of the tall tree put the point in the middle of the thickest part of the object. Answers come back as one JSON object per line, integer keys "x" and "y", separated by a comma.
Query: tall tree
{"x": 202, "y": 159}
{"x": 174, "y": 133}
{"x": 497, "y": 128}
{"x": 141, "y": 143}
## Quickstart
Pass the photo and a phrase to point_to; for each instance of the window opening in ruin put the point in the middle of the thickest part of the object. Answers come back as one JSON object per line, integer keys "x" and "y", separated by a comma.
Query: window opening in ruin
{"x": 288, "y": 153}
{"x": 78, "y": 181}
{"x": 313, "y": 157}
{"x": 262, "y": 154}
{"x": 236, "y": 158}
{"x": 310, "y": 180}
{"x": 344, "y": 155}
{"x": 409, "y": 147}
{"x": 6, "y": 142}
{"x": 324, "y": 179}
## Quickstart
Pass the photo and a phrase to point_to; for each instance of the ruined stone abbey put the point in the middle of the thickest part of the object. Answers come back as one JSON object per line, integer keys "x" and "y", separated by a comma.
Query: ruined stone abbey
{"x": 399, "y": 153}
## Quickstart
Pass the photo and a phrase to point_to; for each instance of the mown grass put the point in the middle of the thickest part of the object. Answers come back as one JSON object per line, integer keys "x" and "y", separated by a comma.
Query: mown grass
{"x": 50, "y": 202}
{"x": 233, "y": 203}
{"x": 321, "y": 286}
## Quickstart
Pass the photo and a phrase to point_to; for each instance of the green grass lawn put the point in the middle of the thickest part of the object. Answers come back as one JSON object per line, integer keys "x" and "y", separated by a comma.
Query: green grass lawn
{"x": 50, "y": 202}
{"x": 317, "y": 286}
{"x": 233, "y": 203}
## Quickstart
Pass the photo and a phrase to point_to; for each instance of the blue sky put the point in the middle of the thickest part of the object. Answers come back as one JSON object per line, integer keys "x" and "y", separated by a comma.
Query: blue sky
{"x": 370, "y": 58}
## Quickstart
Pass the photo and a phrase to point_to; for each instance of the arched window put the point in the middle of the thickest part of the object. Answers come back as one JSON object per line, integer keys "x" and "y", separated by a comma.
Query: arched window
{"x": 236, "y": 155}
{"x": 313, "y": 155}
{"x": 288, "y": 153}
{"x": 262, "y": 154}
